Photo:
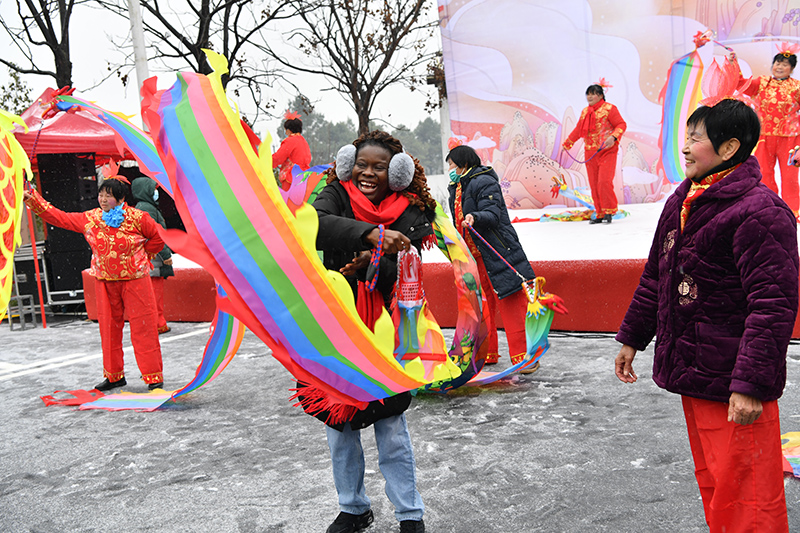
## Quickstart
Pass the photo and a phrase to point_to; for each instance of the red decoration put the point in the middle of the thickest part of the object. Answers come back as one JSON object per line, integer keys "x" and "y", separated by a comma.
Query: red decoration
{"x": 701, "y": 38}
{"x": 452, "y": 142}
{"x": 291, "y": 115}
{"x": 788, "y": 49}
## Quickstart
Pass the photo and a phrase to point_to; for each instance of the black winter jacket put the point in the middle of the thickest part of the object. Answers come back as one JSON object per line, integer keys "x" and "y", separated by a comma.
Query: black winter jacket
{"x": 340, "y": 238}
{"x": 482, "y": 197}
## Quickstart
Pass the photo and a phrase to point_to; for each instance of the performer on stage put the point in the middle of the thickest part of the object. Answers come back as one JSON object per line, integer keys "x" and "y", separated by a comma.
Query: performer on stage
{"x": 601, "y": 127}
{"x": 377, "y": 198}
{"x": 476, "y": 200}
{"x": 123, "y": 240}
{"x": 778, "y": 99}
{"x": 294, "y": 150}
{"x": 146, "y": 195}
{"x": 720, "y": 292}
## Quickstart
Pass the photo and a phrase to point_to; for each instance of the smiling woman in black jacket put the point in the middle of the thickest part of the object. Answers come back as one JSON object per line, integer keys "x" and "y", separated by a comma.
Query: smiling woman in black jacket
{"x": 376, "y": 196}
{"x": 476, "y": 200}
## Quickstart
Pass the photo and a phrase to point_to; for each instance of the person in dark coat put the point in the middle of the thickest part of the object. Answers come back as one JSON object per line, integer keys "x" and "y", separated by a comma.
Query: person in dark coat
{"x": 720, "y": 293}
{"x": 373, "y": 189}
{"x": 476, "y": 200}
{"x": 146, "y": 195}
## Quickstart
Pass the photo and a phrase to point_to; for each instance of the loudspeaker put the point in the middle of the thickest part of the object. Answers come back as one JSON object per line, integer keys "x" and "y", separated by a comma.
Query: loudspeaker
{"x": 67, "y": 181}
{"x": 26, "y": 273}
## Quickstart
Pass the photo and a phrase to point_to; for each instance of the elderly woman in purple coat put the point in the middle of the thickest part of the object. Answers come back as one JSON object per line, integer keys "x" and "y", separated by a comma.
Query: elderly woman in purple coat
{"x": 720, "y": 294}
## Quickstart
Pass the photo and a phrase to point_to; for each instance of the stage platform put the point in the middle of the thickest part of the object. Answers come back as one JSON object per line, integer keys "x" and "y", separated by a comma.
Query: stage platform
{"x": 594, "y": 268}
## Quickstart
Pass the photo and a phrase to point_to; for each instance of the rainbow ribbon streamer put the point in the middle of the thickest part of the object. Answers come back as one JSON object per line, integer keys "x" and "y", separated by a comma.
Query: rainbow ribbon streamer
{"x": 679, "y": 96}
{"x": 129, "y": 137}
{"x": 468, "y": 351}
{"x": 14, "y": 166}
{"x": 240, "y": 230}
{"x": 263, "y": 253}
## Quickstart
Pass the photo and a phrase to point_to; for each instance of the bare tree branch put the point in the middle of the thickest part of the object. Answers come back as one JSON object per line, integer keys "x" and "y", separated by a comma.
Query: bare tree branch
{"x": 362, "y": 47}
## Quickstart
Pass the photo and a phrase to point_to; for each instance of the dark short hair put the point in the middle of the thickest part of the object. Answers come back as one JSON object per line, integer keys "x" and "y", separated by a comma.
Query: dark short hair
{"x": 295, "y": 125}
{"x": 791, "y": 59}
{"x": 115, "y": 187}
{"x": 596, "y": 89}
{"x": 729, "y": 119}
{"x": 464, "y": 157}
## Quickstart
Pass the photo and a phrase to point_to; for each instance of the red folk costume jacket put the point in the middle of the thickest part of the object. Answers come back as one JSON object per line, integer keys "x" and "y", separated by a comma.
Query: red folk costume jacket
{"x": 596, "y": 123}
{"x": 118, "y": 254}
{"x": 293, "y": 151}
{"x": 779, "y": 104}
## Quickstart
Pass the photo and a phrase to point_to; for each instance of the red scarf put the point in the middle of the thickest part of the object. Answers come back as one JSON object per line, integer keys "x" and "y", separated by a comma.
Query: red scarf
{"x": 587, "y": 124}
{"x": 369, "y": 304}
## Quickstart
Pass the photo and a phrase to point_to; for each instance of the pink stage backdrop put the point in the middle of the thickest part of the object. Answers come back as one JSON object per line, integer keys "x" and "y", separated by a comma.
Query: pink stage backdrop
{"x": 517, "y": 73}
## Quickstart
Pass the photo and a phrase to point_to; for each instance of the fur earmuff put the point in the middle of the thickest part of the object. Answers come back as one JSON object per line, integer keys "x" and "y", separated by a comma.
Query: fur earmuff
{"x": 401, "y": 171}
{"x": 345, "y": 160}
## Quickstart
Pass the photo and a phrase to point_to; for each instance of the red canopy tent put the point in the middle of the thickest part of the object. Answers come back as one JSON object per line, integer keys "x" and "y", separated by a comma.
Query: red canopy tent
{"x": 72, "y": 131}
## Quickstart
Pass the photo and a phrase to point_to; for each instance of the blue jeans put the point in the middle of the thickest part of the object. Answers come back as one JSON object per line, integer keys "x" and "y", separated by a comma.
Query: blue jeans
{"x": 396, "y": 461}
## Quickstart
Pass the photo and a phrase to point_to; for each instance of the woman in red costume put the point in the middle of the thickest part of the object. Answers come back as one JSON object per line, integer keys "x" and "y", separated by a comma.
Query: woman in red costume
{"x": 601, "y": 127}
{"x": 778, "y": 99}
{"x": 123, "y": 240}
{"x": 293, "y": 151}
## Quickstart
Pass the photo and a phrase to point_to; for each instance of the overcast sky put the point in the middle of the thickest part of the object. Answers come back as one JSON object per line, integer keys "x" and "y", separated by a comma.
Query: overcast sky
{"x": 95, "y": 38}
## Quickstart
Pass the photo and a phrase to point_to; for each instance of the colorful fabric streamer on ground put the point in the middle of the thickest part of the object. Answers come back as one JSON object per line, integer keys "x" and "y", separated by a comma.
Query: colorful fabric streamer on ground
{"x": 791, "y": 453}
{"x": 14, "y": 167}
{"x": 226, "y": 337}
{"x": 241, "y": 231}
{"x": 539, "y": 315}
{"x": 679, "y": 97}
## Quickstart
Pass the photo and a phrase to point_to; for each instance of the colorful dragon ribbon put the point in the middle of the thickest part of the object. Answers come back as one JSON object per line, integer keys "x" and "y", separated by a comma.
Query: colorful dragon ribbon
{"x": 129, "y": 138}
{"x": 14, "y": 167}
{"x": 539, "y": 315}
{"x": 263, "y": 252}
{"x": 240, "y": 230}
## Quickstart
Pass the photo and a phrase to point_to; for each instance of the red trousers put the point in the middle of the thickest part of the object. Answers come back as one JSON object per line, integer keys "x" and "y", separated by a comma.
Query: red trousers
{"x": 513, "y": 309}
{"x": 158, "y": 293}
{"x": 600, "y": 170}
{"x": 769, "y": 148}
{"x": 135, "y": 298}
{"x": 738, "y": 468}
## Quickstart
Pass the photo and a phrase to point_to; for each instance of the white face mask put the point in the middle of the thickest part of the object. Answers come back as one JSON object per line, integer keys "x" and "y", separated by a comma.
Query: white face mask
{"x": 155, "y": 195}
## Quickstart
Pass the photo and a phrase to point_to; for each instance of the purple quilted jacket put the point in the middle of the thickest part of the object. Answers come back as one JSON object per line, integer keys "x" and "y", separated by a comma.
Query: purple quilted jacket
{"x": 721, "y": 298}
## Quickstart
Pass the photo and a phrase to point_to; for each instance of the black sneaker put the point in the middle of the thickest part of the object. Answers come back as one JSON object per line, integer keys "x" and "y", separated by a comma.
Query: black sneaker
{"x": 108, "y": 385}
{"x": 412, "y": 526}
{"x": 154, "y": 386}
{"x": 596, "y": 220}
{"x": 608, "y": 218}
{"x": 350, "y": 523}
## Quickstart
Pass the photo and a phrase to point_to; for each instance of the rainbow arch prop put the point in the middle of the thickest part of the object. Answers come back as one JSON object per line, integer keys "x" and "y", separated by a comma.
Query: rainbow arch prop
{"x": 14, "y": 166}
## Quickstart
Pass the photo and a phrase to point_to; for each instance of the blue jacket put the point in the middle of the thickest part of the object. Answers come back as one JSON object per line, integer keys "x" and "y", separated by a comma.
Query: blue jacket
{"x": 482, "y": 197}
{"x": 720, "y": 297}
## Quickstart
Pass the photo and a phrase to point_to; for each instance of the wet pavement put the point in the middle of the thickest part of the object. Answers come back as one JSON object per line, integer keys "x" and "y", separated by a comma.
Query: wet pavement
{"x": 567, "y": 449}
